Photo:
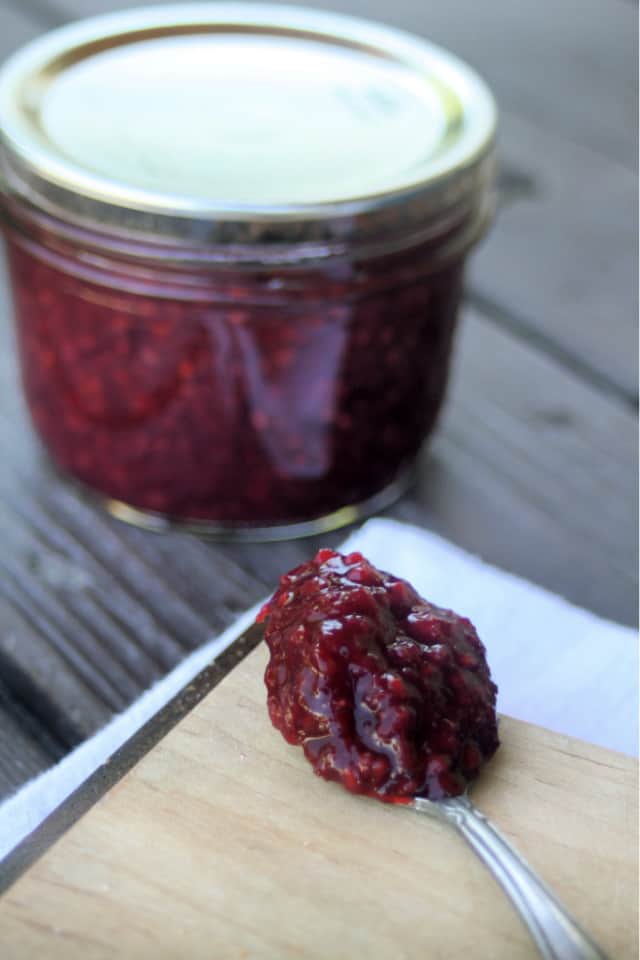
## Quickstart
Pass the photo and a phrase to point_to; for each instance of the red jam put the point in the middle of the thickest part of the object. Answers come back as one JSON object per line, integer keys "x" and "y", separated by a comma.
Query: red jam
{"x": 242, "y": 323}
{"x": 254, "y": 398}
{"x": 386, "y": 693}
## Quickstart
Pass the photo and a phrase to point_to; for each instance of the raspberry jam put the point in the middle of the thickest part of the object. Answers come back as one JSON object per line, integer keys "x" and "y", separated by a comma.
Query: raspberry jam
{"x": 386, "y": 693}
{"x": 285, "y": 404}
{"x": 235, "y": 298}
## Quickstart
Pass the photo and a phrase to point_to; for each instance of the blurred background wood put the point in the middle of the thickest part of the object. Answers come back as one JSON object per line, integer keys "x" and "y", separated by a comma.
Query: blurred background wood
{"x": 534, "y": 465}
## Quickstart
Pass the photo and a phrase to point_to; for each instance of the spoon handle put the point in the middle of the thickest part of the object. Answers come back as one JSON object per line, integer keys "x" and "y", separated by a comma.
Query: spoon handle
{"x": 556, "y": 933}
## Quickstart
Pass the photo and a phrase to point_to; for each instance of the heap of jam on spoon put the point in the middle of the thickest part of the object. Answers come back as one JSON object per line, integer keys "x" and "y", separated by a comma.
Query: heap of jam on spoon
{"x": 387, "y": 694}
{"x": 392, "y": 697}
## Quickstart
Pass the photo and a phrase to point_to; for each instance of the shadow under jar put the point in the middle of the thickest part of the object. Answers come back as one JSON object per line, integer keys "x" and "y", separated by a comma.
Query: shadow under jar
{"x": 236, "y": 282}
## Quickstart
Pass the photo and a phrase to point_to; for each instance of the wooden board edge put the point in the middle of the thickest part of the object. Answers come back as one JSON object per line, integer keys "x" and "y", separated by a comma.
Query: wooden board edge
{"x": 37, "y": 843}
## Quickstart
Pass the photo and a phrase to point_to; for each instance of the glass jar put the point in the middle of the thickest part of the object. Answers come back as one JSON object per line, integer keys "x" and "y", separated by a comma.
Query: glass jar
{"x": 236, "y": 281}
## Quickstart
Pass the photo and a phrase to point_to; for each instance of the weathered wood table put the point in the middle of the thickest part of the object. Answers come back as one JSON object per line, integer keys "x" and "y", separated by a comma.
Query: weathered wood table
{"x": 534, "y": 462}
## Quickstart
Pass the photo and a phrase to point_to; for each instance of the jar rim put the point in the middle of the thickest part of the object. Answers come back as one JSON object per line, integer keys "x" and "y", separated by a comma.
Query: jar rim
{"x": 35, "y": 168}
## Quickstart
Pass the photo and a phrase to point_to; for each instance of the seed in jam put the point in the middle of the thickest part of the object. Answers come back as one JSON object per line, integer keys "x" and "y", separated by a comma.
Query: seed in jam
{"x": 386, "y": 693}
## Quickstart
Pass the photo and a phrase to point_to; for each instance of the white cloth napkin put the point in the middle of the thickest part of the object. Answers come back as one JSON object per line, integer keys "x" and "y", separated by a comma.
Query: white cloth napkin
{"x": 555, "y": 664}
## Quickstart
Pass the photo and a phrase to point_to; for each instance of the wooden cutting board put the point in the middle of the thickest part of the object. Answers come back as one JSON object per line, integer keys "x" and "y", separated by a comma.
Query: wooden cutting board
{"x": 221, "y": 843}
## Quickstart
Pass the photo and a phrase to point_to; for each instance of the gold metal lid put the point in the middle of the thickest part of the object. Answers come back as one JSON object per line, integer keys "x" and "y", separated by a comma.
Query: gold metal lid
{"x": 244, "y": 123}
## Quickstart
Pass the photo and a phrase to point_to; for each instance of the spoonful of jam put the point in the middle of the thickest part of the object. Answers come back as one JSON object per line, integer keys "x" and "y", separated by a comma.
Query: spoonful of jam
{"x": 392, "y": 697}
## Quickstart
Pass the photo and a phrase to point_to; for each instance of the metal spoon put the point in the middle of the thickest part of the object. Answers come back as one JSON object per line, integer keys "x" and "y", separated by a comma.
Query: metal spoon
{"x": 557, "y": 935}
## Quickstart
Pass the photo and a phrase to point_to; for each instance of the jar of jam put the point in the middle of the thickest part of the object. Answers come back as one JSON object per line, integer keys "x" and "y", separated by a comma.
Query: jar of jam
{"x": 236, "y": 236}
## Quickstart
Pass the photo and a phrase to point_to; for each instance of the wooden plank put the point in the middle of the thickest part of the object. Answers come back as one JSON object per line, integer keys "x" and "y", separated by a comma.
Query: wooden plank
{"x": 54, "y": 688}
{"x": 221, "y": 842}
{"x": 22, "y": 755}
{"x": 26, "y": 746}
{"x": 560, "y": 262}
{"x": 535, "y": 471}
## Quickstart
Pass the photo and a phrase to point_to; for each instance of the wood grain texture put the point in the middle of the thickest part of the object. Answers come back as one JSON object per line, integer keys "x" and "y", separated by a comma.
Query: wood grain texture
{"x": 535, "y": 471}
{"x": 25, "y": 748}
{"x": 559, "y": 266}
{"x": 222, "y": 843}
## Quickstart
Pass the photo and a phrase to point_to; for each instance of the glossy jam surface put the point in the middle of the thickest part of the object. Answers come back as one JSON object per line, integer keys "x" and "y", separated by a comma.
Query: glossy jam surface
{"x": 386, "y": 693}
{"x": 242, "y": 398}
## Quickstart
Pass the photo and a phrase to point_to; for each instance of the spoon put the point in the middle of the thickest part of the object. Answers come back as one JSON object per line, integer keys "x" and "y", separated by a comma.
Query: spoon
{"x": 352, "y": 649}
{"x": 556, "y": 933}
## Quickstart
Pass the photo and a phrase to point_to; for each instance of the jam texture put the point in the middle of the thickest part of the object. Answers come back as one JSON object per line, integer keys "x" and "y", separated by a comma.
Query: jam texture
{"x": 255, "y": 397}
{"x": 387, "y": 694}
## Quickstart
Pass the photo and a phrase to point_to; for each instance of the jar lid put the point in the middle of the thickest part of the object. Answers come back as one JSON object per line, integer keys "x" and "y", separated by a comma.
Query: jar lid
{"x": 245, "y": 123}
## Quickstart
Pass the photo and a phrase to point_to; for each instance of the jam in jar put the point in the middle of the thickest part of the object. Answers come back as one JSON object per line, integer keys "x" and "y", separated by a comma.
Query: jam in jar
{"x": 235, "y": 303}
